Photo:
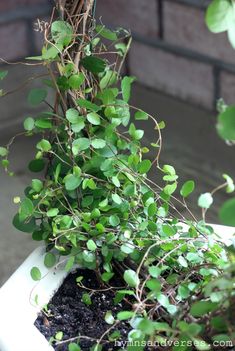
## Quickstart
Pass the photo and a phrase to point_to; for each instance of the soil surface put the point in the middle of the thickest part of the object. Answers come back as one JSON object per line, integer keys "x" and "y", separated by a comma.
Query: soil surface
{"x": 67, "y": 313}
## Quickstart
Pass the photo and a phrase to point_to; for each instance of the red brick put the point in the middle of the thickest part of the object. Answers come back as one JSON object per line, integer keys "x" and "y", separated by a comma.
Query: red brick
{"x": 228, "y": 87}
{"x": 13, "y": 41}
{"x": 185, "y": 26}
{"x": 177, "y": 76}
{"x": 14, "y": 4}
{"x": 138, "y": 16}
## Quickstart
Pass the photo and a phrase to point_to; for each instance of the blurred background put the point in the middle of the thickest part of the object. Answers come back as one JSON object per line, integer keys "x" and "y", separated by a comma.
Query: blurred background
{"x": 182, "y": 70}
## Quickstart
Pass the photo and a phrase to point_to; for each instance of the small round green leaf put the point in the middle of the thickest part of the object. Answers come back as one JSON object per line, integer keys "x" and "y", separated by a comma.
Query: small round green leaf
{"x": 36, "y": 165}
{"x": 91, "y": 245}
{"x": 114, "y": 220}
{"x": 93, "y": 118}
{"x": 72, "y": 182}
{"x": 124, "y": 315}
{"x": 36, "y": 96}
{"x": 29, "y": 124}
{"x": 76, "y": 80}
{"x": 93, "y": 64}
{"x": 49, "y": 260}
{"x": 44, "y": 145}
{"x": 226, "y": 124}
{"x": 52, "y": 212}
{"x": 35, "y": 274}
{"x": 205, "y": 200}
{"x": 227, "y": 212}
{"x": 144, "y": 166}
{"x": 98, "y": 143}
{"x": 131, "y": 278}
{"x": 187, "y": 188}
{"x": 3, "y": 151}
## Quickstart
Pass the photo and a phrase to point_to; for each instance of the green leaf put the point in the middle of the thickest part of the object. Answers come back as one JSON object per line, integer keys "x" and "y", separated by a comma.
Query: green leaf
{"x": 27, "y": 226}
{"x": 93, "y": 64}
{"x": 79, "y": 125}
{"x": 126, "y": 87}
{"x": 29, "y": 124}
{"x": 72, "y": 182}
{"x": 106, "y": 276}
{"x": 80, "y": 144}
{"x": 152, "y": 209}
{"x": 136, "y": 134}
{"x": 35, "y": 274}
{"x": 219, "y": 15}
{"x": 201, "y": 308}
{"x": 3, "y": 74}
{"x": 69, "y": 264}
{"x": 116, "y": 181}
{"x": 91, "y": 245}
{"x": 183, "y": 292}
{"x": 141, "y": 116}
{"x": 106, "y": 33}
{"x": 36, "y": 165}
{"x": 87, "y": 201}
{"x": 116, "y": 198}
{"x": 124, "y": 315}
{"x": 61, "y": 32}
{"x": 230, "y": 184}
{"x": 76, "y": 80}
{"x": 193, "y": 257}
{"x": 74, "y": 347}
{"x": 44, "y": 123}
{"x": 94, "y": 118}
{"x": 170, "y": 188}
{"x": 169, "y": 170}
{"x": 88, "y": 105}
{"x": 59, "y": 335}
{"x": 72, "y": 115}
{"x": 49, "y": 260}
{"x": 127, "y": 248}
{"x": 227, "y": 212}
{"x": 3, "y": 151}
{"x": 205, "y": 200}
{"x": 52, "y": 212}
{"x": 163, "y": 300}
{"x": 131, "y": 278}
{"x": 50, "y": 52}
{"x": 109, "y": 317}
{"x": 86, "y": 299}
{"x": 114, "y": 220}
{"x": 37, "y": 185}
{"x": 44, "y": 145}
{"x": 182, "y": 261}
{"x": 144, "y": 166}
{"x": 109, "y": 79}
{"x": 26, "y": 209}
{"x": 226, "y": 124}
{"x": 154, "y": 271}
{"x": 187, "y": 188}
{"x": 36, "y": 96}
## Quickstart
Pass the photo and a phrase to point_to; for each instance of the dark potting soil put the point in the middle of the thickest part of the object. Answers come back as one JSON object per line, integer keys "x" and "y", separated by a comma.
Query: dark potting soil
{"x": 67, "y": 313}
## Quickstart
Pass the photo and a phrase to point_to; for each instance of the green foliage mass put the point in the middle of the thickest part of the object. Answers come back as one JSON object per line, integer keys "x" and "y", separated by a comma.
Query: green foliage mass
{"x": 97, "y": 207}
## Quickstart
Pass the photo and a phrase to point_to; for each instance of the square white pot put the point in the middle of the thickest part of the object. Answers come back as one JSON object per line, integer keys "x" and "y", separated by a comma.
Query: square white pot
{"x": 18, "y": 309}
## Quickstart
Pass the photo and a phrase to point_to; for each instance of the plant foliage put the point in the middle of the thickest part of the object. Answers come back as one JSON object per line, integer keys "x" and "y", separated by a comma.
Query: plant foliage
{"x": 97, "y": 207}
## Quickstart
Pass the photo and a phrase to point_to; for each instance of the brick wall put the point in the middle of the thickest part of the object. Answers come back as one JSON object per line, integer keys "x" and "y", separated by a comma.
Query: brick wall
{"x": 173, "y": 51}
{"x": 17, "y": 18}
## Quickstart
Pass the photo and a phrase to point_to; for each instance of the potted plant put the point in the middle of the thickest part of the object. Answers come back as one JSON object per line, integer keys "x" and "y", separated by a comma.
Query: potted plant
{"x": 139, "y": 275}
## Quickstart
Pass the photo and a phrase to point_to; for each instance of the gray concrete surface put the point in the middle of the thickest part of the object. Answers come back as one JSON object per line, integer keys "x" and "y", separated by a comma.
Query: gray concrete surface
{"x": 190, "y": 144}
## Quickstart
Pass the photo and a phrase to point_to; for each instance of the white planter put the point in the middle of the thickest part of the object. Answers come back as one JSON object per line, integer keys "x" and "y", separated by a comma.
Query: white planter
{"x": 18, "y": 310}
